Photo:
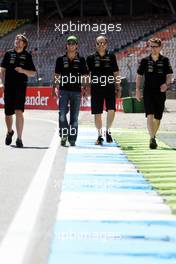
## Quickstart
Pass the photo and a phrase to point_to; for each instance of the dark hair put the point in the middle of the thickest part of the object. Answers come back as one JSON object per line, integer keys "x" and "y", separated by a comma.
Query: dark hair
{"x": 156, "y": 41}
{"x": 24, "y": 39}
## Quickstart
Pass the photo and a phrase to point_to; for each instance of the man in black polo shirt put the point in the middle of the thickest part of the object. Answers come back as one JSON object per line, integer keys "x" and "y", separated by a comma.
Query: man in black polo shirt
{"x": 158, "y": 75}
{"x": 105, "y": 86}
{"x": 68, "y": 71}
{"x": 16, "y": 67}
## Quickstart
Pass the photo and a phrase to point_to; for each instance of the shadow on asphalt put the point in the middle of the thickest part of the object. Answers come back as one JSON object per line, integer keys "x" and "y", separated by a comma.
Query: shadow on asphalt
{"x": 32, "y": 147}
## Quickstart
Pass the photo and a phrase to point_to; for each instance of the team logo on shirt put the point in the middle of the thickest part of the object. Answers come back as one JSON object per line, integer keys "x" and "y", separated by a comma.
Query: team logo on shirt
{"x": 12, "y": 58}
{"x": 160, "y": 67}
{"x": 76, "y": 63}
{"x": 150, "y": 69}
{"x": 160, "y": 64}
{"x": 65, "y": 62}
{"x": 23, "y": 57}
{"x": 97, "y": 61}
{"x": 150, "y": 66}
{"x": 22, "y": 60}
{"x": 107, "y": 62}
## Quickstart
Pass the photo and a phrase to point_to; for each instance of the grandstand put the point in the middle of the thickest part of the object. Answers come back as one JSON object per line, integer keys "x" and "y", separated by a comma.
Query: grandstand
{"x": 10, "y": 25}
{"x": 129, "y": 44}
{"x": 132, "y": 55}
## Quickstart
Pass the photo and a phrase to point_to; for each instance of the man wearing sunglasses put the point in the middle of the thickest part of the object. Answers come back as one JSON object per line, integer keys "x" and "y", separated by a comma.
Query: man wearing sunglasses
{"x": 68, "y": 70}
{"x": 158, "y": 76}
{"x": 105, "y": 86}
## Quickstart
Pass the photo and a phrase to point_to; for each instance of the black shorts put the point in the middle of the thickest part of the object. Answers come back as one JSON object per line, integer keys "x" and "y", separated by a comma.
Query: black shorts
{"x": 14, "y": 99}
{"x": 99, "y": 97}
{"x": 154, "y": 104}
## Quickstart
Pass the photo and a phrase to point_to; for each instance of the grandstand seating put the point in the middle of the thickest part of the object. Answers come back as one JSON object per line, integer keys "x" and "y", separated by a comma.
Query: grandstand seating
{"x": 10, "y": 25}
{"x": 128, "y": 60}
{"x": 51, "y": 43}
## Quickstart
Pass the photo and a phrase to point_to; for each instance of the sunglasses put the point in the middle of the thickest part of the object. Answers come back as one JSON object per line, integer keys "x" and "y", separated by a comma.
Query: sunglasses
{"x": 71, "y": 43}
{"x": 154, "y": 46}
{"x": 101, "y": 43}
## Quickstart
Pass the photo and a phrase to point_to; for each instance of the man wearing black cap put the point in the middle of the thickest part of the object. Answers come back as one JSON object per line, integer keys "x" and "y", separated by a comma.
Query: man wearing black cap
{"x": 68, "y": 70}
{"x": 105, "y": 86}
{"x": 157, "y": 71}
{"x": 16, "y": 67}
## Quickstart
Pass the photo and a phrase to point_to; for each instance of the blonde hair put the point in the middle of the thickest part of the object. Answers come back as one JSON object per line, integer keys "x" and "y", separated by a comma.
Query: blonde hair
{"x": 156, "y": 41}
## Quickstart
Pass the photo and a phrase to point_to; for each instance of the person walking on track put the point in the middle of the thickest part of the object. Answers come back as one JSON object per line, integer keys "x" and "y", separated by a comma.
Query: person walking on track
{"x": 105, "y": 86}
{"x": 68, "y": 70}
{"x": 16, "y": 66}
{"x": 157, "y": 71}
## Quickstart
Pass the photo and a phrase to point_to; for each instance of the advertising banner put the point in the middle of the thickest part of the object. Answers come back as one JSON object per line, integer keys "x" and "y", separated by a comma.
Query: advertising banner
{"x": 41, "y": 98}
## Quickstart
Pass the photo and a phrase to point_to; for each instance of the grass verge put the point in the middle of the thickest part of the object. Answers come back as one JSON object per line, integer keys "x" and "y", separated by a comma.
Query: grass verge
{"x": 158, "y": 166}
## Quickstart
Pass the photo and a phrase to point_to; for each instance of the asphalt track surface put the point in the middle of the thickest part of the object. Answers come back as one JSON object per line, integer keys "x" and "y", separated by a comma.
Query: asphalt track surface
{"x": 18, "y": 168}
{"x": 17, "y": 171}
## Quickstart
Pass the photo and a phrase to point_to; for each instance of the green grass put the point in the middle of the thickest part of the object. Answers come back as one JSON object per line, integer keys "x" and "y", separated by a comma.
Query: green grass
{"x": 158, "y": 166}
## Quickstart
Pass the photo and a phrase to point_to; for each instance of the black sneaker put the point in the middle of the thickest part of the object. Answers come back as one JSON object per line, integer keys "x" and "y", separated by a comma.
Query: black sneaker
{"x": 99, "y": 141}
{"x": 9, "y": 136}
{"x": 153, "y": 144}
{"x": 108, "y": 137}
{"x": 19, "y": 143}
{"x": 63, "y": 141}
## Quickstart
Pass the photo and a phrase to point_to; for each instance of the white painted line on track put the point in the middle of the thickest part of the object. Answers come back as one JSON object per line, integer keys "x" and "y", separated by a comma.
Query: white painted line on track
{"x": 112, "y": 201}
{"x": 90, "y": 168}
{"x": 97, "y": 150}
{"x": 113, "y": 206}
{"x": 138, "y": 196}
{"x": 14, "y": 246}
{"x": 105, "y": 166}
{"x": 107, "y": 215}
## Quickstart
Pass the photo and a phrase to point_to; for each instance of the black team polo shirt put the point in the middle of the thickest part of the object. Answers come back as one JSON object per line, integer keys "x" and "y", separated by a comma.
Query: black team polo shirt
{"x": 155, "y": 73}
{"x": 13, "y": 59}
{"x": 71, "y": 68}
{"x": 102, "y": 66}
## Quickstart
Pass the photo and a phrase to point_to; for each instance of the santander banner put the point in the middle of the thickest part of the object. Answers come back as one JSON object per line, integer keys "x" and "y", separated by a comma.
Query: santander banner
{"x": 40, "y": 98}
